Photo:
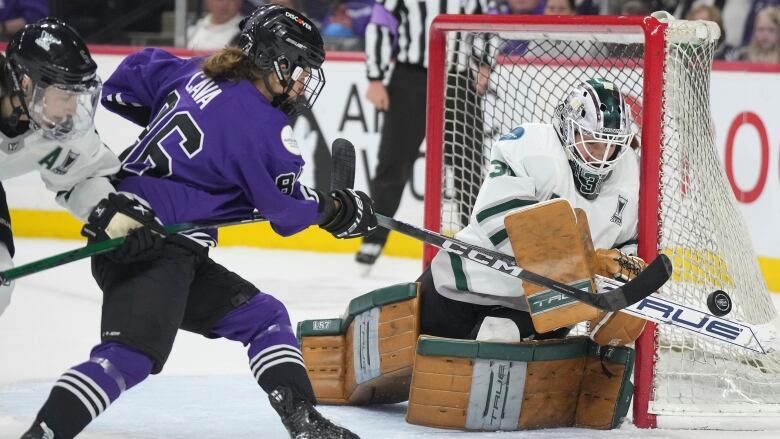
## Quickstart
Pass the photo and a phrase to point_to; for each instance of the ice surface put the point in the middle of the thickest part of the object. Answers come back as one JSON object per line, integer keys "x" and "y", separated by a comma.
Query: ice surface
{"x": 206, "y": 390}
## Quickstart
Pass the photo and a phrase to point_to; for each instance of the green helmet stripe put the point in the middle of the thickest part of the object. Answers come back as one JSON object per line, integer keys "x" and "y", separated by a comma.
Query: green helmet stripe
{"x": 610, "y": 98}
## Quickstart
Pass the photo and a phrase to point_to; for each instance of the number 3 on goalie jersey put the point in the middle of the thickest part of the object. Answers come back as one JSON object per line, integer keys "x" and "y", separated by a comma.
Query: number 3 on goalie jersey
{"x": 148, "y": 156}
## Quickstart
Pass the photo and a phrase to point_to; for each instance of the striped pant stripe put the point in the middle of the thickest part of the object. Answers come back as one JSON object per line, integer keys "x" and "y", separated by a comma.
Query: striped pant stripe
{"x": 273, "y": 356}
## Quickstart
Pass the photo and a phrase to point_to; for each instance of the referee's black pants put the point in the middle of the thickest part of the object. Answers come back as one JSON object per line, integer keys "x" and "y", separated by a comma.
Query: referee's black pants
{"x": 402, "y": 134}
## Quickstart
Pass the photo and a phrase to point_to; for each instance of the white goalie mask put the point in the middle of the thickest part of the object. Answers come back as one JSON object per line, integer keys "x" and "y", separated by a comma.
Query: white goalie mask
{"x": 594, "y": 126}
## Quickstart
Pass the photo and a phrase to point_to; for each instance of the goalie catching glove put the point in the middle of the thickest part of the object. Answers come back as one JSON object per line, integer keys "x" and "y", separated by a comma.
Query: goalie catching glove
{"x": 617, "y": 329}
{"x": 118, "y": 215}
{"x": 347, "y": 213}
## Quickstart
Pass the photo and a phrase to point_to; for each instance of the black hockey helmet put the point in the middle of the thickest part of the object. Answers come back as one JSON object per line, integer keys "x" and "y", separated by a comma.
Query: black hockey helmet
{"x": 282, "y": 41}
{"x": 52, "y": 54}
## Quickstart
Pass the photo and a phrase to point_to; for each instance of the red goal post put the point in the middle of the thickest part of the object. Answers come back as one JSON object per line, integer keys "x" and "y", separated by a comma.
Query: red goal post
{"x": 686, "y": 207}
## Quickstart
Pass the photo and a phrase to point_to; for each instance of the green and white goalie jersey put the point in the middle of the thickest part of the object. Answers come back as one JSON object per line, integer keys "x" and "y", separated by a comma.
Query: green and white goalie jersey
{"x": 527, "y": 166}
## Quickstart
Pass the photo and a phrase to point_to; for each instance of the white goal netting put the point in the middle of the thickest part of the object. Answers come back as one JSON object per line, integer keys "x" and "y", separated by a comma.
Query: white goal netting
{"x": 527, "y": 70}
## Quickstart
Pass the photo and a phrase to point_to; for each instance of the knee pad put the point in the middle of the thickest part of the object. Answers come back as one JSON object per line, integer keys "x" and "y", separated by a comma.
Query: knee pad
{"x": 366, "y": 356}
{"x": 126, "y": 366}
{"x": 473, "y": 385}
{"x": 262, "y": 315}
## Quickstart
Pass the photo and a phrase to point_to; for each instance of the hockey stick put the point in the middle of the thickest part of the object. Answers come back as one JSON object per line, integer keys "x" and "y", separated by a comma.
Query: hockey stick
{"x": 652, "y": 307}
{"x": 111, "y": 244}
{"x": 649, "y": 280}
{"x": 343, "y": 165}
{"x": 658, "y": 309}
{"x": 342, "y": 176}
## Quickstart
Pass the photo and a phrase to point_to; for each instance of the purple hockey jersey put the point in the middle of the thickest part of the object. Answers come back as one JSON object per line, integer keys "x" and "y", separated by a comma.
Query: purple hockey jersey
{"x": 211, "y": 150}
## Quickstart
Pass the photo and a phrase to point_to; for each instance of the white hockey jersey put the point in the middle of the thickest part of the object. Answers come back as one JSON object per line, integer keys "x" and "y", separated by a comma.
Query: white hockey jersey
{"x": 528, "y": 166}
{"x": 76, "y": 170}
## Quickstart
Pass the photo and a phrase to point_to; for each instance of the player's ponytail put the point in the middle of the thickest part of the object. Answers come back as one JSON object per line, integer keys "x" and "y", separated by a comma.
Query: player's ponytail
{"x": 230, "y": 64}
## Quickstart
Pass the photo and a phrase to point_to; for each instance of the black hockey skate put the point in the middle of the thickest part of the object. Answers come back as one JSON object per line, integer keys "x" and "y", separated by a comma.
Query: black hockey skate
{"x": 39, "y": 431}
{"x": 302, "y": 420}
{"x": 367, "y": 255}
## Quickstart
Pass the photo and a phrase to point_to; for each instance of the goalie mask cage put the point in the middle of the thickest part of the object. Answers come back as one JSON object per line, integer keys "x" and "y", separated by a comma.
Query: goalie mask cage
{"x": 687, "y": 209}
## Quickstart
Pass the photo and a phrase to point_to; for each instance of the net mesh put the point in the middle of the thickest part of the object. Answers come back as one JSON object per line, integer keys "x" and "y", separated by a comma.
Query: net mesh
{"x": 496, "y": 81}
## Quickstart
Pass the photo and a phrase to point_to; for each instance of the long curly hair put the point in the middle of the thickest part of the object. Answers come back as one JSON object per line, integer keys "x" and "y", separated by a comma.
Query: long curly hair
{"x": 231, "y": 64}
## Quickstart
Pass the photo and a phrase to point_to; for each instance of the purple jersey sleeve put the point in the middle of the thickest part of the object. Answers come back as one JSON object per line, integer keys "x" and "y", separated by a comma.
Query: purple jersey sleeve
{"x": 267, "y": 169}
{"x": 134, "y": 88}
{"x": 268, "y": 193}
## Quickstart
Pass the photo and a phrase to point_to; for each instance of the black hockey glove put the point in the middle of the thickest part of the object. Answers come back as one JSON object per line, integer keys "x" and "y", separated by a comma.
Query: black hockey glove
{"x": 118, "y": 215}
{"x": 141, "y": 244}
{"x": 347, "y": 213}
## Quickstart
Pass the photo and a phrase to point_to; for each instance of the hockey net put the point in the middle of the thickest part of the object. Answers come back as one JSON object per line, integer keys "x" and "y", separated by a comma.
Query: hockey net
{"x": 687, "y": 209}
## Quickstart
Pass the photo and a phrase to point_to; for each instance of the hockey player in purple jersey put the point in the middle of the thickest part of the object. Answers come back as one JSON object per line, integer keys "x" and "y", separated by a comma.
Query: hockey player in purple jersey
{"x": 216, "y": 145}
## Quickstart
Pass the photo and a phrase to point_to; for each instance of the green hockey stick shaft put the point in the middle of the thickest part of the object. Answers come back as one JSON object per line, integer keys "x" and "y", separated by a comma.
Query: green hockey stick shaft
{"x": 342, "y": 176}
{"x": 108, "y": 245}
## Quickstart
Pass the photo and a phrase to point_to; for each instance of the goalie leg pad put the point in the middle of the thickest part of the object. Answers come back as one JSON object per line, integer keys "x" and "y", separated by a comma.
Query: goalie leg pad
{"x": 366, "y": 356}
{"x": 553, "y": 240}
{"x": 472, "y": 385}
{"x": 616, "y": 329}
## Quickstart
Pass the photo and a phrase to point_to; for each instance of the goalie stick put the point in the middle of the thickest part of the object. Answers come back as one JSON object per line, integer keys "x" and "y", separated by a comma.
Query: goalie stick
{"x": 640, "y": 303}
{"x": 659, "y": 309}
{"x": 649, "y": 280}
{"x": 342, "y": 176}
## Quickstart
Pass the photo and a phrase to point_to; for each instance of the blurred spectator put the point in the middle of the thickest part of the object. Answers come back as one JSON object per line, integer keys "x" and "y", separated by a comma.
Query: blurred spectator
{"x": 560, "y": 7}
{"x": 529, "y": 7}
{"x": 764, "y": 47}
{"x": 348, "y": 19}
{"x": 683, "y": 7}
{"x": 635, "y": 7}
{"x": 755, "y": 7}
{"x": 562, "y": 49}
{"x": 298, "y": 5}
{"x": 703, "y": 11}
{"x": 590, "y": 7}
{"x": 14, "y": 14}
{"x": 218, "y": 27}
{"x": 520, "y": 7}
{"x": 734, "y": 14}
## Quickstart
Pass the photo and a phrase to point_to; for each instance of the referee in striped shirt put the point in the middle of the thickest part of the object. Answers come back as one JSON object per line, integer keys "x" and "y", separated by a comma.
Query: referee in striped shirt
{"x": 400, "y": 27}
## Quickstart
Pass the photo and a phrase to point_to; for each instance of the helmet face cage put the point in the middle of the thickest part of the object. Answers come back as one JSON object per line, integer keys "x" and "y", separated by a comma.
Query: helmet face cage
{"x": 278, "y": 40}
{"x": 594, "y": 126}
{"x": 302, "y": 83}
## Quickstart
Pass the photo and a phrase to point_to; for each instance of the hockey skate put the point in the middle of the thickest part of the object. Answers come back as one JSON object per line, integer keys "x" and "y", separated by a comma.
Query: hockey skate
{"x": 39, "y": 431}
{"x": 302, "y": 420}
{"x": 367, "y": 255}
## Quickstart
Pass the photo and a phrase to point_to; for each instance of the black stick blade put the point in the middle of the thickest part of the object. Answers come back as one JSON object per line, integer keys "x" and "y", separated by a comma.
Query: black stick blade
{"x": 343, "y": 164}
{"x": 652, "y": 278}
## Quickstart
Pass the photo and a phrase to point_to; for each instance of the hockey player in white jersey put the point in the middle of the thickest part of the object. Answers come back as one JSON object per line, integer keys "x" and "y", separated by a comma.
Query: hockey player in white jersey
{"x": 50, "y": 91}
{"x": 585, "y": 156}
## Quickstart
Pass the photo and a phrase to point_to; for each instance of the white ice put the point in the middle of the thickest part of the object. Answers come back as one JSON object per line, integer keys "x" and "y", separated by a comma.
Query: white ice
{"x": 206, "y": 390}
